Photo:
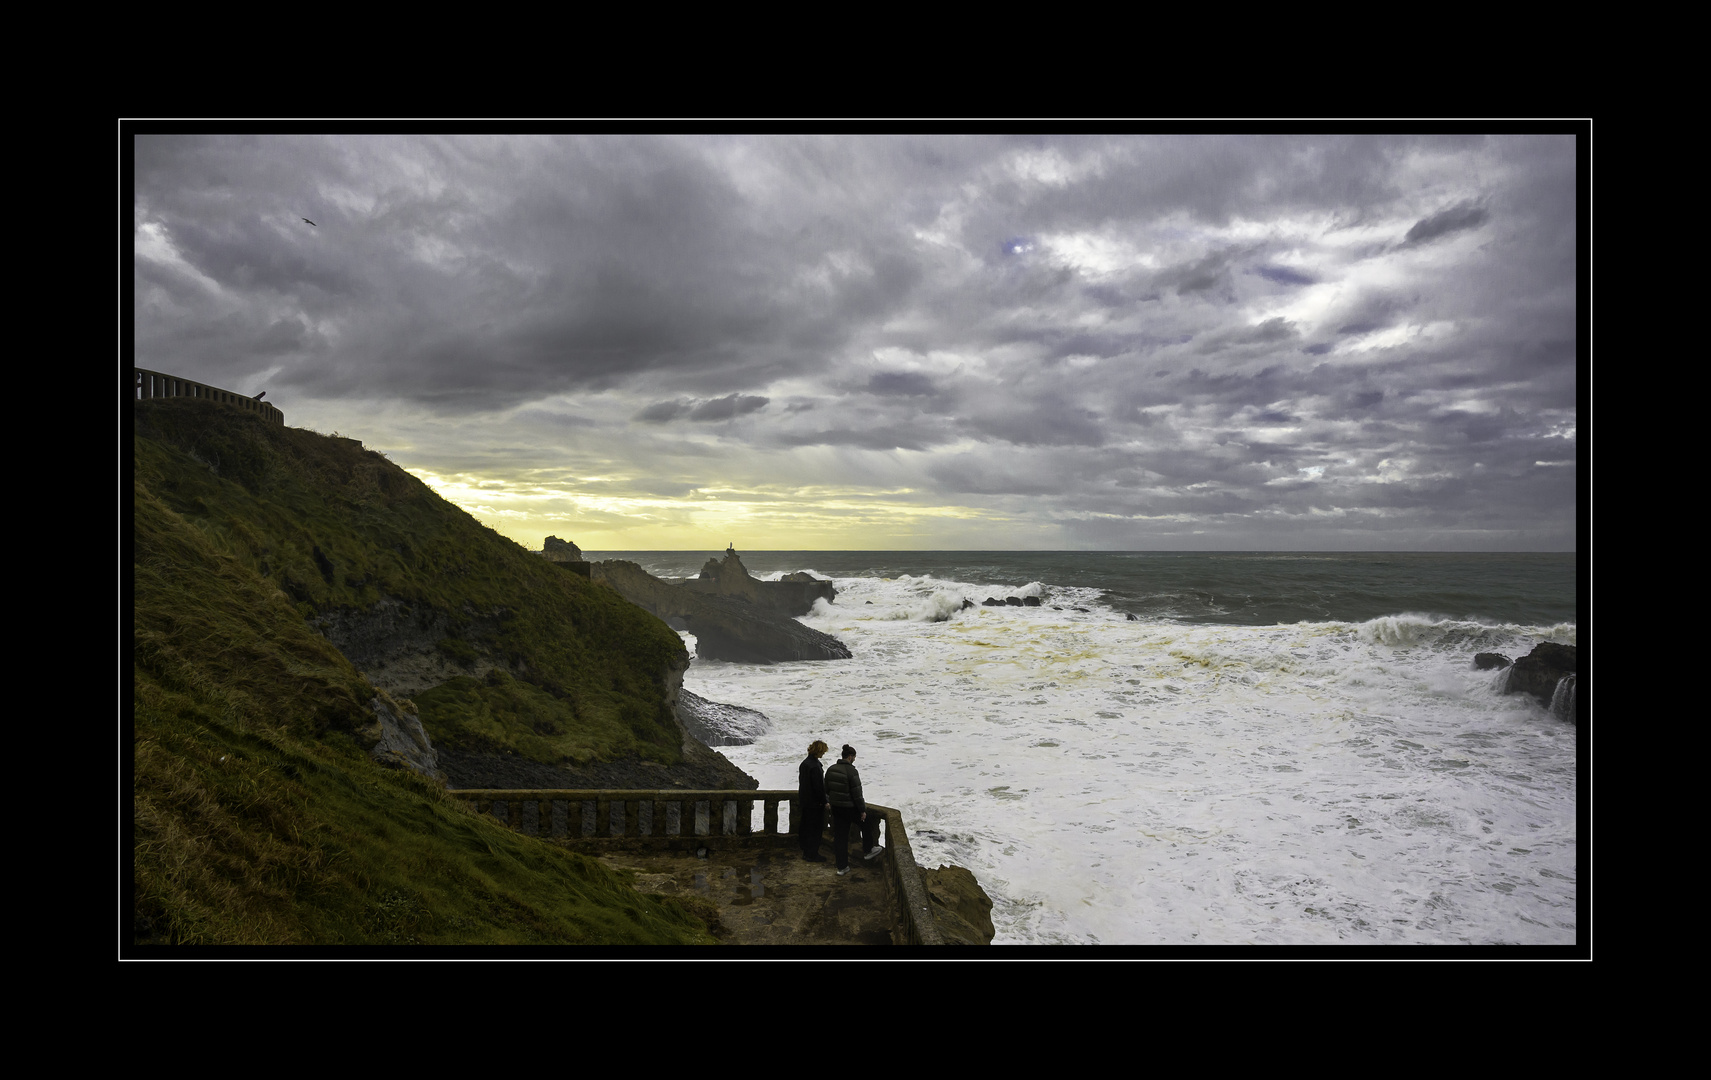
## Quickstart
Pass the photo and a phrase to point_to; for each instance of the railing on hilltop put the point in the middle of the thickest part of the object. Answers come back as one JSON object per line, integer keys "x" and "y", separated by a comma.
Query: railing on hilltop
{"x": 685, "y": 820}
{"x": 146, "y": 384}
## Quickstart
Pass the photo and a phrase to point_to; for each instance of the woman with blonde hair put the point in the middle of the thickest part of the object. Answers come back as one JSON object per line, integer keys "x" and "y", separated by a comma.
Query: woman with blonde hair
{"x": 811, "y": 803}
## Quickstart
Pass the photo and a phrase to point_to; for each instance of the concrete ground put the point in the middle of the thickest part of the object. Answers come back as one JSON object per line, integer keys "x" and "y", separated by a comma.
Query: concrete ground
{"x": 770, "y": 896}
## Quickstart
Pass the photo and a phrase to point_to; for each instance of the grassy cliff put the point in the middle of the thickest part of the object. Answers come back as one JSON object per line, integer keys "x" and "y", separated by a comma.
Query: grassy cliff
{"x": 257, "y": 814}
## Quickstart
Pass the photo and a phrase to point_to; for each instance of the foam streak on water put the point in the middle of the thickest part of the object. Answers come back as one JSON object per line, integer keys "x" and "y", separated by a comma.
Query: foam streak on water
{"x": 1121, "y": 782}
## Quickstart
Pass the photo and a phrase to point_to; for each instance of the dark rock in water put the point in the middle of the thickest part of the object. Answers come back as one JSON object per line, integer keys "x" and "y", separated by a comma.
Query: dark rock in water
{"x": 966, "y": 604}
{"x": 725, "y": 627}
{"x": 1131, "y": 618}
{"x": 720, "y": 725}
{"x": 1549, "y": 674}
{"x": 1013, "y": 601}
{"x": 1030, "y": 601}
{"x": 1486, "y": 661}
{"x": 792, "y": 595}
{"x": 992, "y": 601}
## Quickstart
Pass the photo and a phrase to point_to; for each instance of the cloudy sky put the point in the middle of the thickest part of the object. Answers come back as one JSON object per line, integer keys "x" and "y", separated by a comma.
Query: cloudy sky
{"x": 1178, "y": 342}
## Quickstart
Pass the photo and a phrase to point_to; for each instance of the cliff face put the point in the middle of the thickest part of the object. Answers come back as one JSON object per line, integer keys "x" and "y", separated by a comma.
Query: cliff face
{"x": 259, "y": 813}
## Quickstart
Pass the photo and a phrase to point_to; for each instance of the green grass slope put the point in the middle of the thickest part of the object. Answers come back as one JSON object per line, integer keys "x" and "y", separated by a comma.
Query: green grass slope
{"x": 258, "y": 817}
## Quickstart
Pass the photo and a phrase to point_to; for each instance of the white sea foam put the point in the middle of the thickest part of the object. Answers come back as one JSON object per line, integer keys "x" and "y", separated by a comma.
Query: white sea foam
{"x": 1151, "y": 782}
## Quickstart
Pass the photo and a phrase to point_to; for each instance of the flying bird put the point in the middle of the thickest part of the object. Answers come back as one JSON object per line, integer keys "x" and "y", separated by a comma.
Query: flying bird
{"x": 312, "y": 223}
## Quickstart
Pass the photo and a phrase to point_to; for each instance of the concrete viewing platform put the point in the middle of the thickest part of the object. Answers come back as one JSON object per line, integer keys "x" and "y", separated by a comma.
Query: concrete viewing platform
{"x": 765, "y": 894}
{"x": 704, "y": 847}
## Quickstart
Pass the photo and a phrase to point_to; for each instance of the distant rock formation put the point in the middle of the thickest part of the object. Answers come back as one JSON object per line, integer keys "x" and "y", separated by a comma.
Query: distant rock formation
{"x": 725, "y": 627}
{"x": 1486, "y": 661}
{"x": 1549, "y": 673}
{"x": 561, "y": 550}
{"x": 791, "y": 596}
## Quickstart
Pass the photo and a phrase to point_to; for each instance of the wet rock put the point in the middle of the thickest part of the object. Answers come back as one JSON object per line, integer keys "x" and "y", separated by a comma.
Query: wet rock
{"x": 720, "y": 725}
{"x": 1549, "y": 674}
{"x": 1487, "y": 661}
{"x": 961, "y": 908}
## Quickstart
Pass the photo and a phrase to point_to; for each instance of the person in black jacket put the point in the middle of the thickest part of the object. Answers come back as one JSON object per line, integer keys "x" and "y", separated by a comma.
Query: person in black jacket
{"x": 811, "y": 804}
{"x": 843, "y": 789}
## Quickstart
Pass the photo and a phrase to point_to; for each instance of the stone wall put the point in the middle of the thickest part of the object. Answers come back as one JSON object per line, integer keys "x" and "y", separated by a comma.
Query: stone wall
{"x": 146, "y": 384}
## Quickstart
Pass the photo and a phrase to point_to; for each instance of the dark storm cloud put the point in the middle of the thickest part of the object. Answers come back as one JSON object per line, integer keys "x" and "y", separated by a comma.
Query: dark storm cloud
{"x": 1200, "y": 276}
{"x": 1045, "y": 420}
{"x": 728, "y": 407}
{"x": 664, "y": 411}
{"x": 899, "y": 384}
{"x": 593, "y": 261}
{"x": 1453, "y": 220}
{"x": 1283, "y": 275}
{"x": 1081, "y": 329}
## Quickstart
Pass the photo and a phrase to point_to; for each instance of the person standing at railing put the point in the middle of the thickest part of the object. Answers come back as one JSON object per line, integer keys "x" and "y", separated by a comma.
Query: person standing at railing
{"x": 843, "y": 788}
{"x": 811, "y": 804}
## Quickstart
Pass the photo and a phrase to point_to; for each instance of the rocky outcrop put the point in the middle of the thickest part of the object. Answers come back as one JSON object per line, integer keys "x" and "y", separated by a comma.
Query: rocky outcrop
{"x": 1010, "y": 601}
{"x": 1487, "y": 661}
{"x": 725, "y": 628}
{"x": 792, "y": 596}
{"x": 1549, "y": 673}
{"x": 561, "y": 550}
{"x": 404, "y": 649}
{"x": 397, "y": 741}
{"x": 719, "y": 725}
{"x": 961, "y": 909}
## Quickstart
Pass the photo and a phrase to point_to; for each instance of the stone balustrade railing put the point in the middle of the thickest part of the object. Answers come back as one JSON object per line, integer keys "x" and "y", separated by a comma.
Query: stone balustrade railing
{"x": 148, "y": 384}
{"x": 686, "y": 820}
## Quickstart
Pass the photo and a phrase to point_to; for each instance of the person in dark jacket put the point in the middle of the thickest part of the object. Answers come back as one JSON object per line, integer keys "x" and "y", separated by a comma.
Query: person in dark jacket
{"x": 843, "y": 788}
{"x": 811, "y": 804}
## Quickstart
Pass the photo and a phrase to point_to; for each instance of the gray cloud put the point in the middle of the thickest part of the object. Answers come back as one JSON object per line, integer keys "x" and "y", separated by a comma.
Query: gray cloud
{"x": 1072, "y": 329}
{"x": 726, "y": 408}
{"x": 1445, "y": 222}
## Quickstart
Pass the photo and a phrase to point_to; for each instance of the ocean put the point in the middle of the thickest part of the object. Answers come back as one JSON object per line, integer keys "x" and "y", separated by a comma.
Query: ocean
{"x": 1194, "y": 748}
